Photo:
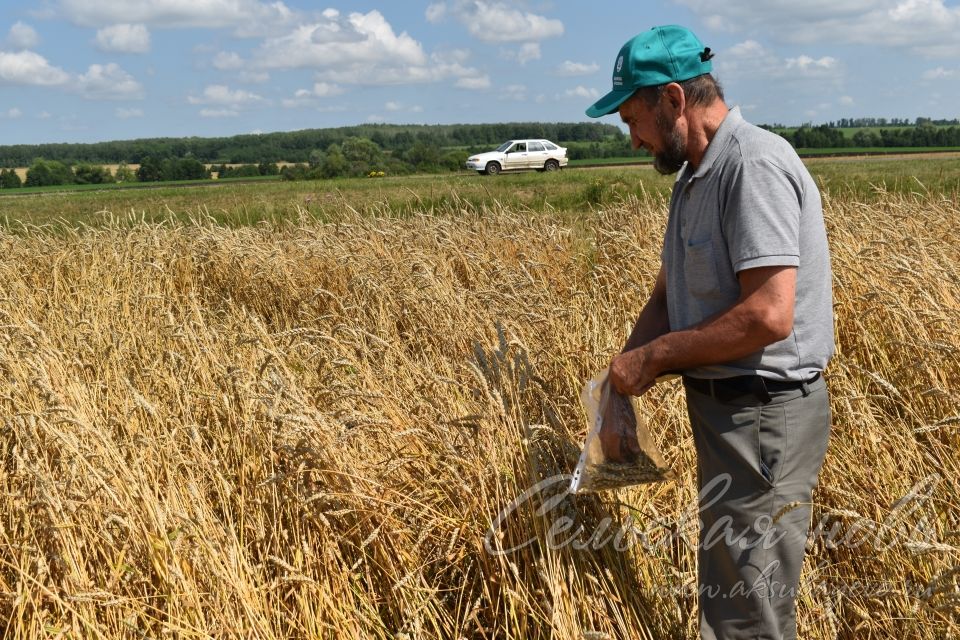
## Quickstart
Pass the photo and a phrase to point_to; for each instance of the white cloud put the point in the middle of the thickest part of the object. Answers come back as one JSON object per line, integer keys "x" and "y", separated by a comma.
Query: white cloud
{"x": 246, "y": 17}
{"x": 753, "y": 60}
{"x": 227, "y": 60}
{"x": 253, "y": 77}
{"x": 570, "y": 68}
{"x": 581, "y": 92}
{"x": 807, "y": 65}
{"x": 27, "y": 67}
{"x": 124, "y": 38}
{"x": 393, "y": 106}
{"x": 325, "y": 90}
{"x": 928, "y": 27}
{"x": 514, "y": 92}
{"x": 847, "y": 101}
{"x": 320, "y": 45}
{"x": 22, "y": 36}
{"x": 308, "y": 97}
{"x": 12, "y": 113}
{"x": 220, "y": 94}
{"x": 108, "y": 82}
{"x": 939, "y": 73}
{"x": 125, "y": 114}
{"x": 375, "y": 119}
{"x": 501, "y": 22}
{"x": 527, "y": 52}
{"x": 480, "y": 82}
{"x": 436, "y": 11}
{"x": 219, "y": 113}
{"x": 44, "y": 115}
{"x": 416, "y": 109}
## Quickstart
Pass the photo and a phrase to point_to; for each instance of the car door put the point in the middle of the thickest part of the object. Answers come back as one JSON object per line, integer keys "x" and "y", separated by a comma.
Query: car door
{"x": 517, "y": 157}
{"x": 536, "y": 155}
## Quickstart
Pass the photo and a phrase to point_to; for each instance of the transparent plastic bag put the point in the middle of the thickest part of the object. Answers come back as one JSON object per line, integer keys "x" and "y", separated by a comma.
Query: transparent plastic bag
{"x": 619, "y": 450}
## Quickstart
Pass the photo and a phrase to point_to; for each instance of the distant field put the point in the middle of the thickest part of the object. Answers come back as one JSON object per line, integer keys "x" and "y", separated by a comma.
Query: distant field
{"x": 572, "y": 192}
{"x": 316, "y": 410}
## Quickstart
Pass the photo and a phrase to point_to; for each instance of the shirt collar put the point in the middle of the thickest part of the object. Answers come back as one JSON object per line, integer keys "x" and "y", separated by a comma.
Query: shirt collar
{"x": 724, "y": 133}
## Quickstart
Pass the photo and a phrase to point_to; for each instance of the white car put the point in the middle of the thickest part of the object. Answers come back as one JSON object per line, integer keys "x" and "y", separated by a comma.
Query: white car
{"x": 514, "y": 155}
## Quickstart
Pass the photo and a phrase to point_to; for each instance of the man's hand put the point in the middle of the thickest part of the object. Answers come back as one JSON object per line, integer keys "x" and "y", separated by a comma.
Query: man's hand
{"x": 618, "y": 429}
{"x": 632, "y": 373}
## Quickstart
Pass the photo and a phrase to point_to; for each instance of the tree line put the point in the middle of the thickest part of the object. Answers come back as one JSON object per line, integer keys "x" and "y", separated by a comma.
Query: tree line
{"x": 297, "y": 146}
{"x": 826, "y": 137}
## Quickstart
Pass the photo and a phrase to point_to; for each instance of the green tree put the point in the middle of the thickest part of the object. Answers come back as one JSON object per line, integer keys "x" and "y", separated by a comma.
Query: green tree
{"x": 9, "y": 179}
{"x": 124, "y": 173}
{"x": 91, "y": 174}
{"x": 45, "y": 173}
{"x": 151, "y": 170}
{"x": 334, "y": 163}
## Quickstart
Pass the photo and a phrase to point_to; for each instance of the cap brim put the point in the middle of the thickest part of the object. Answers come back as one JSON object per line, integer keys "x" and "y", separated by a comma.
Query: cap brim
{"x": 609, "y": 103}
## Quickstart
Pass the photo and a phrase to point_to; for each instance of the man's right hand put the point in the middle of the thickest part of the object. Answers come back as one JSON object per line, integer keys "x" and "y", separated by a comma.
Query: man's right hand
{"x": 618, "y": 428}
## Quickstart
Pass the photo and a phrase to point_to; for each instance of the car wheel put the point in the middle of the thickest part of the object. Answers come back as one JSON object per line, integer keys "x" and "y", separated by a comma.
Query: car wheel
{"x": 493, "y": 168}
{"x": 551, "y": 165}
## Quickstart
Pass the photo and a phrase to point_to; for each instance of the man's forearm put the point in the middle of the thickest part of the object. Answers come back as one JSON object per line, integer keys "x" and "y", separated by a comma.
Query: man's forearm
{"x": 731, "y": 335}
{"x": 652, "y": 323}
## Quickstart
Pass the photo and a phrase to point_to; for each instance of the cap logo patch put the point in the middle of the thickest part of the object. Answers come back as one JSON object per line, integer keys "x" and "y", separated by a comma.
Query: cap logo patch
{"x": 619, "y": 64}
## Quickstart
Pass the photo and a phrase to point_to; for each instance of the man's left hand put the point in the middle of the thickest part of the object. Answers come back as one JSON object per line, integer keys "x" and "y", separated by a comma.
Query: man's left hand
{"x": 633, "y": 372}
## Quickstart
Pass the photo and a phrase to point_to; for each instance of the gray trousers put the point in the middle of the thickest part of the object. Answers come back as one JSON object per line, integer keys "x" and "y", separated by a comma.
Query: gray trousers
{"x": 757, "y": 465}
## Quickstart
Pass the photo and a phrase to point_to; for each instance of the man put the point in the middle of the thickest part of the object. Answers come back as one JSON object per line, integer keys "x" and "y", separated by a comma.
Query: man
{"x": 742, "y": 308}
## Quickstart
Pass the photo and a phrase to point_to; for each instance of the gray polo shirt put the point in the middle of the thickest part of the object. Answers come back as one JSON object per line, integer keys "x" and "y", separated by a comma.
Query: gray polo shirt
{"x": 751, "y": 203}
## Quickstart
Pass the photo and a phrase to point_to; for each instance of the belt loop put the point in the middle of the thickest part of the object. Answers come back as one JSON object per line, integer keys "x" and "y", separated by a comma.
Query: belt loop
{"x": 763, "y": 393}
{"x": 713, "y": 392}
{"x": 805, "y": 389}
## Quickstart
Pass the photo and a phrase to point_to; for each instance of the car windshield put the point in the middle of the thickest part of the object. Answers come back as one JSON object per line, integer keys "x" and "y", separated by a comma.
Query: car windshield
{"x": 506, "y": 145}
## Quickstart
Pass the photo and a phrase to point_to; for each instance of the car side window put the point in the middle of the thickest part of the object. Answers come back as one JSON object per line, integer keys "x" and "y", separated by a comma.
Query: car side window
{"x": 520, "y": 146}
{"x": 535, "y": 146}
{"x": 549, "y": 146}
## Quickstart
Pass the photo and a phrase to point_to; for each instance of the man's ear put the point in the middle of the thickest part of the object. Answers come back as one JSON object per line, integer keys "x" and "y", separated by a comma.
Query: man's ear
{"x": 674, "y": 99}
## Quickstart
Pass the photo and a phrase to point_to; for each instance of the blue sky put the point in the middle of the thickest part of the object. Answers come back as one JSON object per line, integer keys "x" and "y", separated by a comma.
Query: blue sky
{"x": 93, "y": 70}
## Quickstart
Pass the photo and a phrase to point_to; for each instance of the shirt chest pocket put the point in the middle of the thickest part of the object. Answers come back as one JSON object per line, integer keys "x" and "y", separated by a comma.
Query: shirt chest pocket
{"x": 700, "y": 269}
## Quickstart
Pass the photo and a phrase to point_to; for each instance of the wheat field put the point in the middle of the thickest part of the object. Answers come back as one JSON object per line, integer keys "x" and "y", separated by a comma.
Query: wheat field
{"x": 336, "y": 428}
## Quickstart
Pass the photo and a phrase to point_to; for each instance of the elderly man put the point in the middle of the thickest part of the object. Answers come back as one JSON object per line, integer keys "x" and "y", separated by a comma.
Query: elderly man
{"x": 742, "y": 308}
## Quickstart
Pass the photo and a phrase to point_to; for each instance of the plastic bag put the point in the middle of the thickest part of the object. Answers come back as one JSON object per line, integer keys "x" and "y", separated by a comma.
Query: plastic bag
{"x": 619, "y": 450}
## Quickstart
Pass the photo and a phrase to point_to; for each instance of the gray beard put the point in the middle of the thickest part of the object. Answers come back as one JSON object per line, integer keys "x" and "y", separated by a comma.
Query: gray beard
{"x": 672, "y": 157}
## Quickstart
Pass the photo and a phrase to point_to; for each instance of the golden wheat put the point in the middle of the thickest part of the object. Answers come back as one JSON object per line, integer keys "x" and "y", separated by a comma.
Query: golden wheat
{"x": 310, "y": 429}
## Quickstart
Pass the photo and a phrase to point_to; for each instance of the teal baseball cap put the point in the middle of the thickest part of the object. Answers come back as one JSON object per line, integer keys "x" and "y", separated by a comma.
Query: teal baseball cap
{"x": 661, "y": 55}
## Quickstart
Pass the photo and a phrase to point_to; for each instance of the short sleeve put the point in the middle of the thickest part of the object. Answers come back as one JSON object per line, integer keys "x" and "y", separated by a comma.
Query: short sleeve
{"x": 761, "y": 217}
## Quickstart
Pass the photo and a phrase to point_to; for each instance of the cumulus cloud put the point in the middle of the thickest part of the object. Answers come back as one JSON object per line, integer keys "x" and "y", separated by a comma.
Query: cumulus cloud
{"x": 108, "y": 82}
{"x": 514, "y": 92}
{"x": 939, "y": 73}
{"x": 125, "y": 114}
{"x": 847, "y": 101}
{"x": 752, "y": 59}
{"x": 246, "y": 17}
{"x": 22, "y": 36}
{"x": 581, "y": 92}
{"x": 221, "y": 94}
{"x": 227, "y": 60}
{"x": 253, "y": 77}
{"x": 29, "y": 68}
{"x": 928, "y": 27}
{"x": 321, "y": 45}
{"x": 12, "y": 113}
{"x": 124, "y": 38}
{"x": 527, "y": 52}
{"x": 502, "y": 22}
{"x": 219, "y": 113}
{"x": 309, "y": 97}
{"x": 570, "y": 68}
{"x": 436, "y": 12}
{"x": 478, "y": 82}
